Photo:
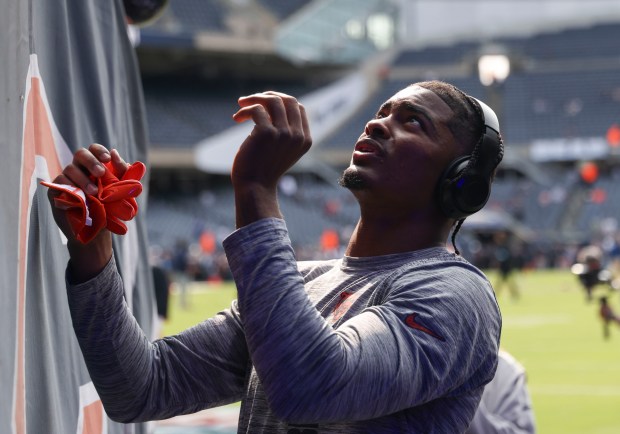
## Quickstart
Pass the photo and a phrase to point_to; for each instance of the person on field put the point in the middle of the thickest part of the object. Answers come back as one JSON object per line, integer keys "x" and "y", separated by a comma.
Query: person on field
{"x": 398, "y": 335}
{"x": 507, "y": 262}
{"x": 607, "y": 315}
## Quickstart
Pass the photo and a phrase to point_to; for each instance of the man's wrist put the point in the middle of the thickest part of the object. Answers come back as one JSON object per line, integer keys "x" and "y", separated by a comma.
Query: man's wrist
{"x": 88, "y": 260}
{"x": 255, "y": 202}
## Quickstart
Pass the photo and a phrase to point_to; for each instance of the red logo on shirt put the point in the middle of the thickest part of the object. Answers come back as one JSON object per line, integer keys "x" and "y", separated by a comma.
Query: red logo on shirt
{"x": 414, "y": 324}
{"x": 344, "y": 304}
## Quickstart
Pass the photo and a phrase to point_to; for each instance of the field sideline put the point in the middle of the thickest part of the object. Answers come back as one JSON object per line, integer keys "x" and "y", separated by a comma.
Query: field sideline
{"x": 573, "y": 373}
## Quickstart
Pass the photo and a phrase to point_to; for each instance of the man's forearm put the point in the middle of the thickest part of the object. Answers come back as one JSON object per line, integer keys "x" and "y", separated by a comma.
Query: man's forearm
{"x": 88, "y": 260}
{"x": 254, "y": 202}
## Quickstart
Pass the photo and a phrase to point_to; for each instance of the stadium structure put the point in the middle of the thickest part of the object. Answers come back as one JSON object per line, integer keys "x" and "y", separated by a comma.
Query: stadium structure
{"x": 559, "y": 107}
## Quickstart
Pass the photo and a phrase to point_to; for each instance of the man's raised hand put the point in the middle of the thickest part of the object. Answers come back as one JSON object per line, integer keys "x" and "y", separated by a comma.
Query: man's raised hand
{"x": 281, "y": 136}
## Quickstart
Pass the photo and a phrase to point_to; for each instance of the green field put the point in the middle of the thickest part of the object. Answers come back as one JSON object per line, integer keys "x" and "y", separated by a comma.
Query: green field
{"x": 573, "y": 373}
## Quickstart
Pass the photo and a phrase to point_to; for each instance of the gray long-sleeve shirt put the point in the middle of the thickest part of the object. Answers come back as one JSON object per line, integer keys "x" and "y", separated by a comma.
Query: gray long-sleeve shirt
{"x": 388, "y": 344}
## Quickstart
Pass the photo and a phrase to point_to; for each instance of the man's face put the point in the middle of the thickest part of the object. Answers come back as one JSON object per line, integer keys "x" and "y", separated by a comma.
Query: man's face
{"x": 403, "y": 151}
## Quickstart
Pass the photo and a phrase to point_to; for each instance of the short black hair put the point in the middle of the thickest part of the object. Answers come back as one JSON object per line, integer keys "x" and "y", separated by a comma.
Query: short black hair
{"x": 467, "y": 124}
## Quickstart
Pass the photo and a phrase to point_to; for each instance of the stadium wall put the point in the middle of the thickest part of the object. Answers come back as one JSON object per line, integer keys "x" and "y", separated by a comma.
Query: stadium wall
{"x": 69, "y": 78}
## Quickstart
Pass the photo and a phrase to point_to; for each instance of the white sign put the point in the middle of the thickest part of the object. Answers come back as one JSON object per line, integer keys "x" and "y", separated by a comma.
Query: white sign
{"x": 583, "y": 148}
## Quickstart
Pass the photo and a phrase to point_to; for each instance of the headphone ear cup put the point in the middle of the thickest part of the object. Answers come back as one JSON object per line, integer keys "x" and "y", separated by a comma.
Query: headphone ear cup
{"x": 461, "y": 195}
{"x": 473, "y": 194}
{"x": 445, "y": 194}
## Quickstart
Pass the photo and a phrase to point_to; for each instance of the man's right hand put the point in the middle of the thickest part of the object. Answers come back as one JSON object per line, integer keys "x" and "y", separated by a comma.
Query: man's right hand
{"x": 86, "y": 260}
{"x": 280, "y": 137}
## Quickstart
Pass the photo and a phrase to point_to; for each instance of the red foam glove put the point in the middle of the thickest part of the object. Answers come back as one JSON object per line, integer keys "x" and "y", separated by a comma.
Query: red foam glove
{"x": 114, "y": 203}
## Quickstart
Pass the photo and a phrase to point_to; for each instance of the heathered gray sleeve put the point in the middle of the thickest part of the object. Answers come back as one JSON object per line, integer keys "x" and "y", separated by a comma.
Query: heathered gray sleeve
{"x": 377, "y": 363}
{"x": 138, "y": 380}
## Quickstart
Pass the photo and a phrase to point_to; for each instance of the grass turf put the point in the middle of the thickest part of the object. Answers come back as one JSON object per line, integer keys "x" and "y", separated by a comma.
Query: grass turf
{"x": 573, "y": 373}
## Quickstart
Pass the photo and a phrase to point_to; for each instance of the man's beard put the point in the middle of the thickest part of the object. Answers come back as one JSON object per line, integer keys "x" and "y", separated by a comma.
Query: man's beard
{"x": 352, "y": 180}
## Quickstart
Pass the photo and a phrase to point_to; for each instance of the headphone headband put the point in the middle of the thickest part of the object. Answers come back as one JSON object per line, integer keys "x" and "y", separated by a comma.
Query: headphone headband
{"x": 490, "y": 118}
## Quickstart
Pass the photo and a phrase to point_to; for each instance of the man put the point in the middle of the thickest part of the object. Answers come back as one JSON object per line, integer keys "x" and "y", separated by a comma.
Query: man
{"x": 589, "y": 269}
{"x": 507, "y": 262}
{"x": 400, "y": 335}
{"x": 607, "y": 315}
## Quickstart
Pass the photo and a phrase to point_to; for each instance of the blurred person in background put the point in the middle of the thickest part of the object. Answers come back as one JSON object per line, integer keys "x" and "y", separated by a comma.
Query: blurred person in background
{"x": 507, "y": 261}
{"x": 399, "y": 335}
{"x": 161, "y": 283}
{"x": 589, "y": 269}
{"x": 506, "y": 406}
{"x": 607, "y": 315}
{"x": 614, "y": 261}
{"x": 181, "y": 271}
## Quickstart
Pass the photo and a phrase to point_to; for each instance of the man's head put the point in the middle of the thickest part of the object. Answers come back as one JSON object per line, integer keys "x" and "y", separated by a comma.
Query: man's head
{"x": 414, "y": 137}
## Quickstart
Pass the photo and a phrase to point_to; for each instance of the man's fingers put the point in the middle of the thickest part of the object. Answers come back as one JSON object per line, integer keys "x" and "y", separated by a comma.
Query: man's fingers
{"x": 283, "y": 111}
{"x": 273, "y": 104}
{"x": 100, "y": 152}
{"x": 305, "y": 126}
{"x": 292, "y": 108}
{"x": 88, "y": 162}
{"x": 60, "y": 179}
{"x": 255, "y": 112}
{"x": 74, "y": 175}
{"x": 297, "y": 119}
{"x": 120, "y": 166}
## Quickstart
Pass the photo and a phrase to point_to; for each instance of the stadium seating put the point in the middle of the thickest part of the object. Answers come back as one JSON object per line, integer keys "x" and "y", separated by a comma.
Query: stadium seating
{"x": 603, "y": 203}
{"x": 436, "y": 55}
{"x": 560, "y": 104}
{"x": 566, "y": 84}
{"x": 181, "y": 111}
{"x": 308, "y": 213}
{"x": 199, "y": 14}
{"x": 597, "y": 41}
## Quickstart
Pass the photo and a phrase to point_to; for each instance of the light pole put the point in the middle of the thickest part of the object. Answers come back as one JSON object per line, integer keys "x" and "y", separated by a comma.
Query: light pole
{"x": 493, "y": 69}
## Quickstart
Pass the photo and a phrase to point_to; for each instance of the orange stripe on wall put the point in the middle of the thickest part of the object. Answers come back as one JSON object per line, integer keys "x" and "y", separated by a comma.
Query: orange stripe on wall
{"x": 93, "y": 418}
{"x": 38, "y": 140}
